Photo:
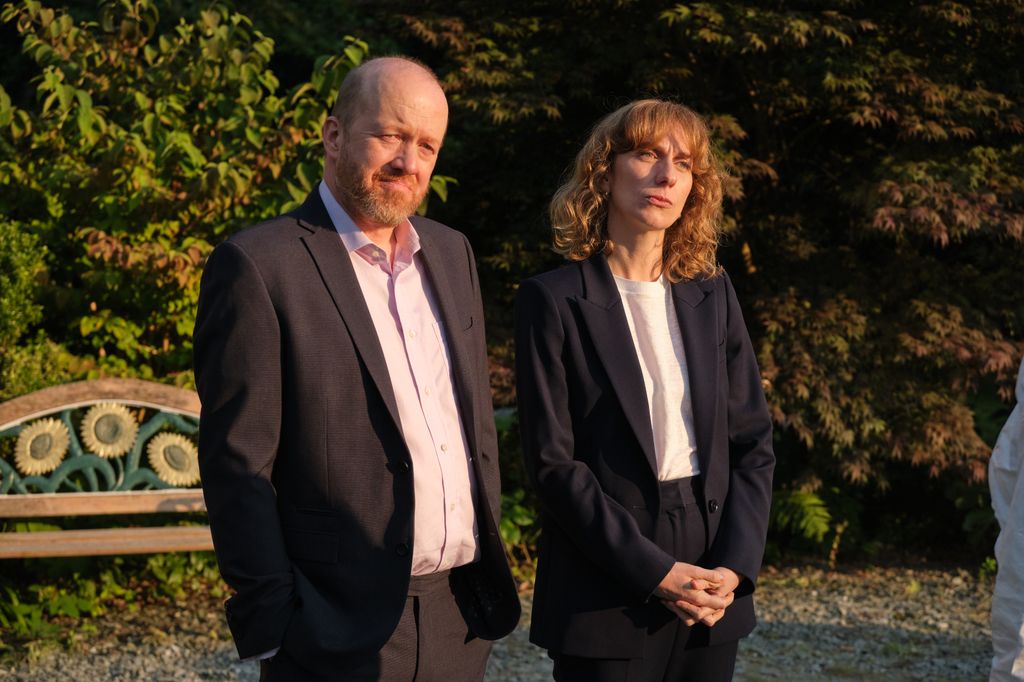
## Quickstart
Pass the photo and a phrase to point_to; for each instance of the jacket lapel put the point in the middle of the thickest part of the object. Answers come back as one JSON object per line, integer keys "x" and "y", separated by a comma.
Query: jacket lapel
{"x": 458, "y": 348}
{"x": 605, "y": 318}
{"x": 332, "y": 260}
{"x": 698, "y": 321}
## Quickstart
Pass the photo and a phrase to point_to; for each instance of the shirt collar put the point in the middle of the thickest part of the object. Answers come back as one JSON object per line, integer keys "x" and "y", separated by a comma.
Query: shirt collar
{"x": 355, "y": 240}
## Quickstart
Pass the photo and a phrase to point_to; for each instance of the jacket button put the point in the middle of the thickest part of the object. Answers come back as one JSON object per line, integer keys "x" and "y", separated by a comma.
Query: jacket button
{"x": 402, "y": 549}
{"x": 712, "y": 506}
{"x": 403, "y": 466}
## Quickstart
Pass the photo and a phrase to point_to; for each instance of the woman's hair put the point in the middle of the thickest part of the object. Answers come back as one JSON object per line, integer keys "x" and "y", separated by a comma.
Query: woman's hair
{"x": 579, "y": 210}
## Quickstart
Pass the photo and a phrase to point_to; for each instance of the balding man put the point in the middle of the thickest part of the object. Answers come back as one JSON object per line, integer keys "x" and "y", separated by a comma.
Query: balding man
{"x": 347, "y": 443}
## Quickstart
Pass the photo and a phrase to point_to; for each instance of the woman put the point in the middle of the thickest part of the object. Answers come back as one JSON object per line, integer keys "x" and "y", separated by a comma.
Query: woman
{"x": 644, "y": 426}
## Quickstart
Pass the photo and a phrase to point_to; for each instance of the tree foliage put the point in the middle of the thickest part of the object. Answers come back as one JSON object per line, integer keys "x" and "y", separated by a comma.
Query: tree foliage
{"x": 142, "y": 150}
{"x": 24, "y": 357}
{"x": 874, "y": 214}
{"x": 21, "y": 261}
{"x": 875, "y": 210}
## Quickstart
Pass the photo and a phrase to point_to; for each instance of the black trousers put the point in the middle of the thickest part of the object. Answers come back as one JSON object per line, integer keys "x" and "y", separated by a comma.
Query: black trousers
{"x": 673, "y": 652}
{"x": 431, "y": 644}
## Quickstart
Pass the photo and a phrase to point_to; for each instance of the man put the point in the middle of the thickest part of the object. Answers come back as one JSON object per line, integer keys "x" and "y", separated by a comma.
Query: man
{"x": 347, "y": 443}
{"x": 1006, "y": 483}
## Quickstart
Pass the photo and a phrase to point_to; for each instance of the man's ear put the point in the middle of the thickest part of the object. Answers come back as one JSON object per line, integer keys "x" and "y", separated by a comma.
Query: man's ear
{"x": 333, "y": 136}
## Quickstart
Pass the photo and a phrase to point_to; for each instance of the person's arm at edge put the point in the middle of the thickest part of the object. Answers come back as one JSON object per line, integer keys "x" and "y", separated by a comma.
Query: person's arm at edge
{"x": 740, "y": 541}
{"x": 238, "y": 377}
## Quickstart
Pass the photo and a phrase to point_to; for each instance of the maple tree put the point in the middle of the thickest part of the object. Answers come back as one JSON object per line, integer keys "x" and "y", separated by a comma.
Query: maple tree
{"x": 874, "y": 213}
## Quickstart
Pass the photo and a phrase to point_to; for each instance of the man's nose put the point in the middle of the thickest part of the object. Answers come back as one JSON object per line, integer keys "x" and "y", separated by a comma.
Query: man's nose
{"x": 406, "y": 159}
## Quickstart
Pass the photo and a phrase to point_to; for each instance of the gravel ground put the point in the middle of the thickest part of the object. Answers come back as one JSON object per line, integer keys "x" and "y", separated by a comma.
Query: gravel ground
{"x": 887, "y": 624}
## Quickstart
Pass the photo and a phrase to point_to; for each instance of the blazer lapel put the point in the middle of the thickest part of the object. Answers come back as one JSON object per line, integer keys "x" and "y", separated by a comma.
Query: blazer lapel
{"x": 698, "y": 322}
{"x": 332, "y": 260}
{"x": 457, "y": 341}
{"x": 605, "y": 318}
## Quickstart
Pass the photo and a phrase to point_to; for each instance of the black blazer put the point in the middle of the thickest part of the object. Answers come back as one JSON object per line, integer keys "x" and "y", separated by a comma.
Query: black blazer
{"x": 589, "y": 450}
{"x": 307, "y": 478}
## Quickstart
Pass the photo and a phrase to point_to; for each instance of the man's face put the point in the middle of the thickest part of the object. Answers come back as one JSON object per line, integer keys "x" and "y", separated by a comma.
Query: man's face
{"x": 386, "y": 155}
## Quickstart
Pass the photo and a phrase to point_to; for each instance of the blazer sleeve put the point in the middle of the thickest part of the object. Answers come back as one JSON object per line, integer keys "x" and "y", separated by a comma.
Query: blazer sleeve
{"x": 238, "y": 374}
{"x": 488, "y": 429}
{"x": 569, "y": 493}
{"x": 740, "y": 540}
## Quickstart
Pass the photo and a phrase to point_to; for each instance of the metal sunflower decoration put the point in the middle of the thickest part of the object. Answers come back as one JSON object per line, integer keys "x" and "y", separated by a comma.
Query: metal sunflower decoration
{"x": 41, "y": 446}
{"x": 109, "y": 430}
{"x": 174, "y": 458}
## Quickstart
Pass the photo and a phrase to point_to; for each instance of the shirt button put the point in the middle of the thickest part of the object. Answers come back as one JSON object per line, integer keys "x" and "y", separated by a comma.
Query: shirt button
{"x": 444, "y": 448}
{"x": 426, "y": 391}
{"x": 412, "y": 335}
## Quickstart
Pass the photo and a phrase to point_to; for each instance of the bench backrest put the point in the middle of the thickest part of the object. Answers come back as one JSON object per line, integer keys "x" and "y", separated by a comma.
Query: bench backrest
{"x": 77, "y": 449}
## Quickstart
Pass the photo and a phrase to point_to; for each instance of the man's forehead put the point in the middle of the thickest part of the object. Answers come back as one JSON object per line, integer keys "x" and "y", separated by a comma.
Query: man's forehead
{"x": 395, "y": 76}
{"x": 420, "y": 104}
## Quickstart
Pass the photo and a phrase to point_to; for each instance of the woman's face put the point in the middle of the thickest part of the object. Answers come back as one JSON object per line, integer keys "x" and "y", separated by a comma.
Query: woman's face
{"x": 647, "y": 187}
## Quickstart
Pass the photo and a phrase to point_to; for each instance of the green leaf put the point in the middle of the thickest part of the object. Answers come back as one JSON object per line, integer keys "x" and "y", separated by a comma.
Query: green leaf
{"x": 249, "y": 95}
{"x": 801, "y": 512}
{"x": 439, "y": 186}
{"x": 253, "y": 135}
{"x": 6, "y": 109}
{"x": 149, "y": 123}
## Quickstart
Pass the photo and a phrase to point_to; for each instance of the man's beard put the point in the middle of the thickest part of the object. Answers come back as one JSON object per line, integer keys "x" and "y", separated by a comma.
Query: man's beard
{"x": 372, "y": 200}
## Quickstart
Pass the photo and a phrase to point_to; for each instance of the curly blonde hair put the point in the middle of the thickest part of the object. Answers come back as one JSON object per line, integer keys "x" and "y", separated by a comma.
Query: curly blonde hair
{"x": 579, "y": 210}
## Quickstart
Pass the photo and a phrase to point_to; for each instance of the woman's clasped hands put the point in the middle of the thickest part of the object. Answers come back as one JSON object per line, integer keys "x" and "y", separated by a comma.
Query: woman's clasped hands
{"x": 696, "y": 594}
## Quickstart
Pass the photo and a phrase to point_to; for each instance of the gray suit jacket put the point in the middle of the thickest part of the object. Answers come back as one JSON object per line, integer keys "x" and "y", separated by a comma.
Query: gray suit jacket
{"x": 307, "y": 478}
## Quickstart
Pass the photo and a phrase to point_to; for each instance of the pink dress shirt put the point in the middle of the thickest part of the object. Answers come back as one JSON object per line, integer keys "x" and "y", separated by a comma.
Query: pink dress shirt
{"x": 406, "y": 317}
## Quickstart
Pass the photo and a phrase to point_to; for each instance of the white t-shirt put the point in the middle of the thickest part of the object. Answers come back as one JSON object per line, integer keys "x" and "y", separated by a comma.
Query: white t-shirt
{"x": 658, "y": 340}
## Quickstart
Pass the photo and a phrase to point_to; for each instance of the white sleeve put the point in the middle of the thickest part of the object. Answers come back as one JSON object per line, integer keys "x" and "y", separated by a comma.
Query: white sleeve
{"x": 1007, "y": 487}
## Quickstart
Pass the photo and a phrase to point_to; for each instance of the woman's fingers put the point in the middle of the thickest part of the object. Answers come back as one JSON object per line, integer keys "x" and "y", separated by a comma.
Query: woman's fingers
{"x": 702, "y": 599}
{"x": 683, "y": 615}
{"x": 713, "y": 618}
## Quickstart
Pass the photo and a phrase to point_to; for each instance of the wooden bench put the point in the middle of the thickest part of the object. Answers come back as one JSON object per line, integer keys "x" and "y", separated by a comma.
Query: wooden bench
{"x": 168, "y": 405}
{"x": 103, "y": 541}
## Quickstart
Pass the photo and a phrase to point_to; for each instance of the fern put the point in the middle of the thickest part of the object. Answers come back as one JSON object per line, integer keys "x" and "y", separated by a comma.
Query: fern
{"x": 801, "y": 513}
